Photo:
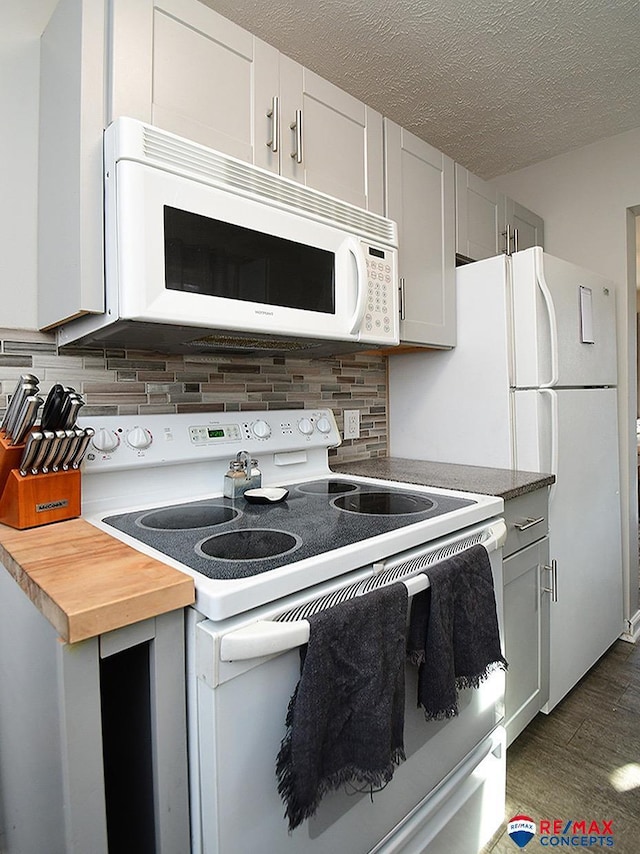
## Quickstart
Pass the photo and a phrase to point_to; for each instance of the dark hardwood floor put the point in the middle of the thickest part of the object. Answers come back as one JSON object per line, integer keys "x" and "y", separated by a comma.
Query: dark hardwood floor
{"x": 582, "y": 761}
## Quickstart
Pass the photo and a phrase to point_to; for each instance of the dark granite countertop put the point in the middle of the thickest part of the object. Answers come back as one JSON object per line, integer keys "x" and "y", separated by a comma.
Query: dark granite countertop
{"x": 505, "y": 483}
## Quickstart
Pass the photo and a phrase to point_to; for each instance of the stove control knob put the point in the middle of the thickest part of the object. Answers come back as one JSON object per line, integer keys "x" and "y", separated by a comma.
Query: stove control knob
{"x": 305, "y": 427}
{"x": 324, "y": 425}
{"x": 261, "y": 429}
{"x": 139, "y": 438}
{"x": 105, "y": 440}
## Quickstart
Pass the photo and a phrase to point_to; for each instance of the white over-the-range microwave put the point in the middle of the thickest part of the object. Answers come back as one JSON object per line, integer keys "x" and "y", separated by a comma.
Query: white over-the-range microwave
{"x": 207, "y": 253}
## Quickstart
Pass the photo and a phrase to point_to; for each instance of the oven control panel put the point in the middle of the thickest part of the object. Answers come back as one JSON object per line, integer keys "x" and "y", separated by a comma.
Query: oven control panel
{"x": 131, "y": 441}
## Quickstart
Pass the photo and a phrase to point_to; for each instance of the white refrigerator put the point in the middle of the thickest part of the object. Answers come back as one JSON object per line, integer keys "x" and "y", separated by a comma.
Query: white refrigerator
{"x": 532, "y": 386}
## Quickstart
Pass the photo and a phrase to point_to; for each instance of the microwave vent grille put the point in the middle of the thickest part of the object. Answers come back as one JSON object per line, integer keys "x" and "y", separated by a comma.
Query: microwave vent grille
{"x": 204, "y": 164}
{"x": 227, "y": 342}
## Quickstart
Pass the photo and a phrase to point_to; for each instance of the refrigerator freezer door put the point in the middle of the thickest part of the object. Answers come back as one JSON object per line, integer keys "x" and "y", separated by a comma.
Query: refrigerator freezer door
{"x": 573, "y": 432}
{"x": 564, "y": 325}
{"x": 453, "y": 405}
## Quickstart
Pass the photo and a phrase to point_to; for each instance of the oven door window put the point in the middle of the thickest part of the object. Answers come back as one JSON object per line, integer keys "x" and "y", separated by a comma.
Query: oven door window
{"x": 213, "y": 258}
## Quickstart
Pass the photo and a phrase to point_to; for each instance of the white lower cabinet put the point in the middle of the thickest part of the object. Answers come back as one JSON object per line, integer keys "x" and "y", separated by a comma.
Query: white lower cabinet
{"x": 526, "y": 610}
{"x": 94, "y": 748}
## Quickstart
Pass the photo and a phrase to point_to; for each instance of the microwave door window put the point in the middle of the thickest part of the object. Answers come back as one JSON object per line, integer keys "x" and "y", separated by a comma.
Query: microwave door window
{"x": 219, "y": 259}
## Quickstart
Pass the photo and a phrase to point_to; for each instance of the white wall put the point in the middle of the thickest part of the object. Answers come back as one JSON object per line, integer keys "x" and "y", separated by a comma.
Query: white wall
{"x": 585, "y": 197}
{"x": 21, "y": 22}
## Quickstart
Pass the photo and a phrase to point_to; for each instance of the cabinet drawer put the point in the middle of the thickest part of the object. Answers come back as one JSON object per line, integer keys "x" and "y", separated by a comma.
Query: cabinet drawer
{"x": 527, "y": 518}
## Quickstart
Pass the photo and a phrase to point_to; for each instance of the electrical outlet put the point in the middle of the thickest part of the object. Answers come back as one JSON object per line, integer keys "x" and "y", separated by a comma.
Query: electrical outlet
{"x": 352, "y": 424}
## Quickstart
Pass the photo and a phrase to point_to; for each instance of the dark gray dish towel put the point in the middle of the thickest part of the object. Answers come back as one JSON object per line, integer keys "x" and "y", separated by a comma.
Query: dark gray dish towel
{"x": 346, "y": 717}
{"x": 453, "y": 631}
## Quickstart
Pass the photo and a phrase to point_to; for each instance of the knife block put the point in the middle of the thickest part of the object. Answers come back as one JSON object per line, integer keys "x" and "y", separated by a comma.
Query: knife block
{"x": 37, "y": 499}
{"x": 10, "y": 456}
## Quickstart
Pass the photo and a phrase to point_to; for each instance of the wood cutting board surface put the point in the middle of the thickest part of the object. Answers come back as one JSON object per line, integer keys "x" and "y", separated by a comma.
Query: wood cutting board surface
{"x": 86, "y": 582}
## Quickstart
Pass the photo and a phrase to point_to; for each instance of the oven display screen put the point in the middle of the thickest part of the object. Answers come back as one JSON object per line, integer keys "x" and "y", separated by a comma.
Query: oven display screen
{"x": 203, "y": 434}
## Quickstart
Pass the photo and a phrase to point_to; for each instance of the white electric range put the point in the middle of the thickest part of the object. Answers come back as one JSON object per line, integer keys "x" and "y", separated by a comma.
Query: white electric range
{"x": 156, "y": 483}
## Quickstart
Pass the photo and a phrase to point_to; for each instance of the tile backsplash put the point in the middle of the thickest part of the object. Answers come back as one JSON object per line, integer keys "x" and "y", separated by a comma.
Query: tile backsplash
{"x": 129, "y": 382}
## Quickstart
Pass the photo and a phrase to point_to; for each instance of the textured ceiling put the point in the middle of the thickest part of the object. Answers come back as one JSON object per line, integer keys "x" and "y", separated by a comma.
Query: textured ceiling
{"x": 495, "y": 84}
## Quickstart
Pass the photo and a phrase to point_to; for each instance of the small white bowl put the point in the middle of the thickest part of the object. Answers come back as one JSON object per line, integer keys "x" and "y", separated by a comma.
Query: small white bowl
{"x": 266, "y": 495}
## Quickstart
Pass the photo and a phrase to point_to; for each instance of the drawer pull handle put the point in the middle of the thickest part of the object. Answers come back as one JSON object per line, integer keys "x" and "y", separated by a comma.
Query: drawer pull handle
{"x": 528, "y": 523}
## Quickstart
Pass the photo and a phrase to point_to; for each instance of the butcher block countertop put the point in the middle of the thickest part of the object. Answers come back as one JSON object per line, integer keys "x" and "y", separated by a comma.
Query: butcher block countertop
{"x": 86, "y": 582}
{"x": 505, "y": 483}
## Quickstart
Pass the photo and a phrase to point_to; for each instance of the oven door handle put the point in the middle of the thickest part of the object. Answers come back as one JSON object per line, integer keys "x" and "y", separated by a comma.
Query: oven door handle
{"x": 264, "y": 637}
{"x": 269, "y": 637}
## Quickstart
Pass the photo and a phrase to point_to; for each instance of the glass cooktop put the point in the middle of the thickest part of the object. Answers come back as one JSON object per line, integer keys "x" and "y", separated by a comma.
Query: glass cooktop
{"x": 229, "y": 539}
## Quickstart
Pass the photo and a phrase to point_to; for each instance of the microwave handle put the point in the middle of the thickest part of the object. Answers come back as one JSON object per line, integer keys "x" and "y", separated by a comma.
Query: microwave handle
{"x": 355, "y": 249}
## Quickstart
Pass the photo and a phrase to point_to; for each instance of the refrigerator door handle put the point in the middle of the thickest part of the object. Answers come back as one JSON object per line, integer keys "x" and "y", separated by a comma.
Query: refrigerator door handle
{"x": 553, "y": 321}
{"x": 553, "y": 398}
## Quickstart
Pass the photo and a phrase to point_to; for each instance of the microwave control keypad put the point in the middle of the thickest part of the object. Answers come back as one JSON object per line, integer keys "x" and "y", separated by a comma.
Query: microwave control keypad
{"x": 377, "y": 317}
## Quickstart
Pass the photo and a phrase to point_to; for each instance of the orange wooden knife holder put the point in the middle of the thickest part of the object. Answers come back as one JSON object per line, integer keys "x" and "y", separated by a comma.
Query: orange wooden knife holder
{"x": 10, "y": 456}
{"x": 35, "y": 499}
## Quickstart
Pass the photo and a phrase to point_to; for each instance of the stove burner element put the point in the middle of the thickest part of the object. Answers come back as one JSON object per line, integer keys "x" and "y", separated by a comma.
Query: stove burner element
{"x": 182, "y": 518}
{"x": 254, "y": 544}
{"x": 383, "y": 503}
{"x": 327, "y": 487}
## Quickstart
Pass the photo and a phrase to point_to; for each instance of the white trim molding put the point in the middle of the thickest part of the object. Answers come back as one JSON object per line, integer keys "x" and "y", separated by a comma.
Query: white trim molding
{"x": 632, "y": 635}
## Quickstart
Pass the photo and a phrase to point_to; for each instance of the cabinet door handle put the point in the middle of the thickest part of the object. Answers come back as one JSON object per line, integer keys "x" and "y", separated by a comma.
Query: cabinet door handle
{"x": 507, "y": 240}
{"x": 297, "y": 127}
{"x": 274, "y": 115}
{"x": 553, "y": 569}
{"x": 528, "y": 523}
{"x": 402, "y": 297}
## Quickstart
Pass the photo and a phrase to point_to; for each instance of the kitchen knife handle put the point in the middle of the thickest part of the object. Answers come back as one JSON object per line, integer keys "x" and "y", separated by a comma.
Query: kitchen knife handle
{"x": 30, "y": 451}
{"x": 25, "y": 379}
{"x": 27, "y": 418}
{"x": 52, "y": 407}
{"x": 17, "y": 403}
{"x": 47, "y": 438}
{"x": 63, "y": 450}
{"x": 89, "y": 432}
{"x": 66, "y": 461}
{"x": 71, "y": 410}
{"x": 53, "y": 450}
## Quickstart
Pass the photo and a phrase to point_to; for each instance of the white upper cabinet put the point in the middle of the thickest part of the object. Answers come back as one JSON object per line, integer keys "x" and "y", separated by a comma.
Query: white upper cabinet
{"x": 329, "y": 140}
{"x": 182, "y": 67}
{"x": 479, "y": 217}
{"x": 420, "y": 196}
{"x": 488, "y": 222}
{"x": 523, "y": 227}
